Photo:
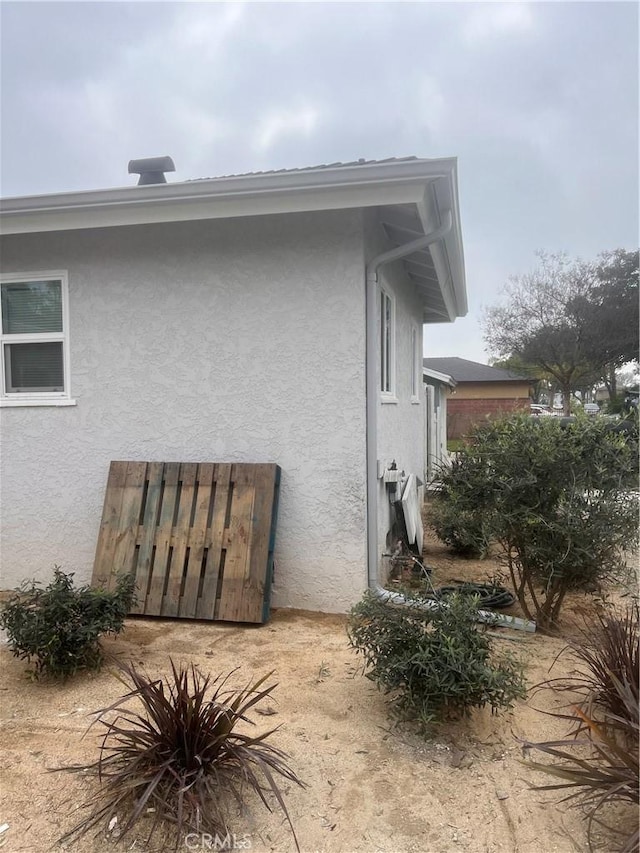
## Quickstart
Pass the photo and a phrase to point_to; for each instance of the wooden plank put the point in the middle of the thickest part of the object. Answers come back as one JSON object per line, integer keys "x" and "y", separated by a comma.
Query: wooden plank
{"x": 147, "y": 535}
{"x": 268, "y": 577}
{"x": 237, "y": 544}
{"x": 206, "y": 608}
{"x": 129, "y": 520}
{"x": 107, "y": 535}
{"x": 204, "y": 478}
{"x": 163, "y": 551}
{"x": 180, "y": 539}
{"x": 250, "y": 606}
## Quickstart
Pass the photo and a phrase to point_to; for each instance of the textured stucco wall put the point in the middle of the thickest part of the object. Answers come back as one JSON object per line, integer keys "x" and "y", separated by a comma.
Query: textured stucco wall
{"x": 401, "y": 424}
{"x": 239, "y": 340}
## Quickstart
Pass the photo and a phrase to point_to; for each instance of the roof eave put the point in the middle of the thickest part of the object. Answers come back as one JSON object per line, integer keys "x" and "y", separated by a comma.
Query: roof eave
{"x": 442, "y": 378}
{"x": 280, "y": 192}
{"x": 440, "y": 196}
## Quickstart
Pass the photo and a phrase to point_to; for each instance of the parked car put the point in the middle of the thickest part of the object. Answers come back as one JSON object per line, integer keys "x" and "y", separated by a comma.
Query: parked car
{"x": 537, "y": 409}
{"x": 591, "y": 408}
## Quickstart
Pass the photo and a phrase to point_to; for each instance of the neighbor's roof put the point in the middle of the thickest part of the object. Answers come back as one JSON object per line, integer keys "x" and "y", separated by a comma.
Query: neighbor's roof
{"x": 413, "y": 197}
{"x": 463, "y": 370}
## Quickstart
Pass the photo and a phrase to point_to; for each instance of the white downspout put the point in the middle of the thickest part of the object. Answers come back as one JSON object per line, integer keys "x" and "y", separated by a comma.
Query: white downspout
{"x": 372, "y": 425}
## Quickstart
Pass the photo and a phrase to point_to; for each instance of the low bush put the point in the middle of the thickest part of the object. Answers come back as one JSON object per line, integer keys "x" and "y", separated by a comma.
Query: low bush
{"x": 58, "y": 627}
{"x": 437, "y": 663}
{"x": 598, "y": 762}
{"x": 181, "y": 759}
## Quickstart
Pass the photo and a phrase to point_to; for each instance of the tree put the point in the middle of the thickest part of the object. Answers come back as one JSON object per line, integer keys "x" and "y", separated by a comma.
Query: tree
{"x": 575, "y": 322}
{"x": 539, "y": 323}
{"x": 609, "y": 315}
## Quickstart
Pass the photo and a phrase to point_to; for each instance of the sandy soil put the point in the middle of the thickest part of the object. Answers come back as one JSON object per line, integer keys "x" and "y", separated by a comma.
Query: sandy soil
{"x": 370, "y": 787}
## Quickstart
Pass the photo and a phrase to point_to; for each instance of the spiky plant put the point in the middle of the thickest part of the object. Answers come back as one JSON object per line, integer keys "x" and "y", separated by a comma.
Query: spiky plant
{"x": 598, "y": 763}
{"x": 598, "y": 769}
{"x": 182, "y": 761}
{"x": 607, "y": 655}
{"x": 609, "y": 648}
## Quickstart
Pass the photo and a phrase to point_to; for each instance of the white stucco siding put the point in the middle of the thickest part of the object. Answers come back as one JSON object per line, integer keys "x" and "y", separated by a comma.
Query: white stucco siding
{"x": 238, "y": 340}
{"x": 401, "y": 425}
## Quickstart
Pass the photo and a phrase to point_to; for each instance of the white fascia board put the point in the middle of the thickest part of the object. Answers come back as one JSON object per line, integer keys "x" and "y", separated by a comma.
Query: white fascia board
{"x": 447, "y": 255}
{"x": 185, "y": 209}
{"x": 281, "y": 192}
{"x": 443, "y": 378}
{"x": 456, "y": 253}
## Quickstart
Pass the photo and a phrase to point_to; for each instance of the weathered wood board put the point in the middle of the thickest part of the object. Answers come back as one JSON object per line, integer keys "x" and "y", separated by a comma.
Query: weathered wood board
{"x": 198, "y": 537}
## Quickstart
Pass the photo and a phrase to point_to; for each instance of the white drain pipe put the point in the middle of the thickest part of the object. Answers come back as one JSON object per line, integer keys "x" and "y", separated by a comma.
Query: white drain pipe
{"x": 372, "y": 429}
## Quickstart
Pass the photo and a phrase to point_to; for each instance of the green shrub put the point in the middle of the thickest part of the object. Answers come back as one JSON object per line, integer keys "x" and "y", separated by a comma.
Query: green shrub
{"x": 59, "y": 627}
{"x": 438, "y": 663}
{"x": 181, "y": 756}
{"x": 555, "y": 496}
{"x": 462, "y": 530}
{"x": 454, "y": 512}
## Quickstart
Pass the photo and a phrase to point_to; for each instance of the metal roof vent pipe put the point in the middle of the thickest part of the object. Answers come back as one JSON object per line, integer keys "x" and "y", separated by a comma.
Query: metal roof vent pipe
{"x": 151, "y": 170}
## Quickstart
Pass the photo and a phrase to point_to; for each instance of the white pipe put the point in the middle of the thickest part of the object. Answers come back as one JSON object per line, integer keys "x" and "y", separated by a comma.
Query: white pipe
{"x": 500, "y": 620}
{"x": 372, "y": 428}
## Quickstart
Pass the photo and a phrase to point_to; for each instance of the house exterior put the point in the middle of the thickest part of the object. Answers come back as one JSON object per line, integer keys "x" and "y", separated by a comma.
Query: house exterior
{"x": 437, "y": 388}
{"x": 481, "y": 391}
{"x": 185, "y": 322}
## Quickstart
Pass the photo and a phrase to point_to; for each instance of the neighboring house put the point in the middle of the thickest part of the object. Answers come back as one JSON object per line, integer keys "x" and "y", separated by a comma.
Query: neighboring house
{"x": 268, "y": 317}
{"x": 481, "y": 391}
{"x": 437, "y": 387}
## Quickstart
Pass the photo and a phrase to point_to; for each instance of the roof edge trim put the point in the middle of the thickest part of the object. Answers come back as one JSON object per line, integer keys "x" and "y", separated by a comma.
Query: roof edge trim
{"x": 270, "y": 182}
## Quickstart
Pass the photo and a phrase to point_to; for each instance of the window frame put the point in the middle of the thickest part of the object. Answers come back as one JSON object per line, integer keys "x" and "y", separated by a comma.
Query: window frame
{"x": 387, "y": 347}
{"x": 37, "y": 398}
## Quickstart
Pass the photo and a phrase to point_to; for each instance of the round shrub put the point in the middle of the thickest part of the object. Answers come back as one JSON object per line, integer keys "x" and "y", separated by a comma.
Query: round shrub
{"x": 437, "y": 663}
{"x": 58, "y": 627}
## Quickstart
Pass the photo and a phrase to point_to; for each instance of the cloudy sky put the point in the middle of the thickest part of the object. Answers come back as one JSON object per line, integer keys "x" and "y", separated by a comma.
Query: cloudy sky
{"x": 539, "y": 102}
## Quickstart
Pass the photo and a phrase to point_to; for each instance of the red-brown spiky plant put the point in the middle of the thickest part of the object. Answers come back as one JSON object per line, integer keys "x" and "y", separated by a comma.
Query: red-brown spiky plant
{"x": 182, "y": 760}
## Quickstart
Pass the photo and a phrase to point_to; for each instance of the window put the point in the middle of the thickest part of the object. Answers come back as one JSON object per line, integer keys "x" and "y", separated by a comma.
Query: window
{"x": 387, "y": 346}
{"x": 415, "y": 365}
{"x": 34, "y": 339}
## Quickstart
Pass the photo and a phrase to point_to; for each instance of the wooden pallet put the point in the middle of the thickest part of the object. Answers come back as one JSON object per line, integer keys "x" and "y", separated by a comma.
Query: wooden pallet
{"x": 199, "y": 537}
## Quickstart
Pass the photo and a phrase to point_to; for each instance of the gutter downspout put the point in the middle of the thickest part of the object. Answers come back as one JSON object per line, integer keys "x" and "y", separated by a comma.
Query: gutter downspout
{"x": 372, "y": 427}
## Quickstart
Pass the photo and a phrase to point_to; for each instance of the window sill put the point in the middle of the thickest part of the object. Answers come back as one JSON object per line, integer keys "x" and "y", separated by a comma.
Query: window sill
{"x": 6, "y": 403}
{"x": 415, "y": 401}
{"x": 388, "y": 398}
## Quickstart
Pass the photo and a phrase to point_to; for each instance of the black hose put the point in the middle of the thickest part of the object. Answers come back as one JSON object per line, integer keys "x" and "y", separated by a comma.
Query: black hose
{"x": 489, "y": 595}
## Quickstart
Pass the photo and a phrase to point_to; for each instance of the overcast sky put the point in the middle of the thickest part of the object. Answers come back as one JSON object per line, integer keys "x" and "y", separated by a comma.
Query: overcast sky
{"x": 539, "y": 102}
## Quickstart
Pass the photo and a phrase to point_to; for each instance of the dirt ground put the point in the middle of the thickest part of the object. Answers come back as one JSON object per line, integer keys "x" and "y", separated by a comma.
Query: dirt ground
{"x": 370, "y": 787}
